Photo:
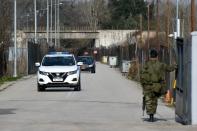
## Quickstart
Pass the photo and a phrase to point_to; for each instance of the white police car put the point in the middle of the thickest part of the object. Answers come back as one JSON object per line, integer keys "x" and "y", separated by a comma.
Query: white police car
{"x": 58, "y": 69}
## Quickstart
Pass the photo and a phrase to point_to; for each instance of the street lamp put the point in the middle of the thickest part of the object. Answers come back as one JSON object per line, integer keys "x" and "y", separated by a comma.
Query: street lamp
{"x": 57, "y": 3}
{"x": 47, "y": 21}
{"x": 177, "y": 19}
{"x": 15, "y": 64}
{"x": 35, "y": 14}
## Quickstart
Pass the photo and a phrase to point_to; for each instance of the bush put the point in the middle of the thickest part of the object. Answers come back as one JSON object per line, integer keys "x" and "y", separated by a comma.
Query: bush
{"x": 134, "y": 71}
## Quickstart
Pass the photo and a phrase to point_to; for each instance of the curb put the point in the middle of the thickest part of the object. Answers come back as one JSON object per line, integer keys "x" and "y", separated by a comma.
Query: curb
{"x": 8, "y": 84}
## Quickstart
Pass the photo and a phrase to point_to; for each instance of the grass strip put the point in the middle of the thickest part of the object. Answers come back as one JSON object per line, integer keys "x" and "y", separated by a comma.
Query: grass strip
{"x": 8, "y": 79}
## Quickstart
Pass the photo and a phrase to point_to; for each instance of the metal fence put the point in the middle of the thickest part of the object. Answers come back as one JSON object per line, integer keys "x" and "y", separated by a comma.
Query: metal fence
{"x": 35, "y": 54}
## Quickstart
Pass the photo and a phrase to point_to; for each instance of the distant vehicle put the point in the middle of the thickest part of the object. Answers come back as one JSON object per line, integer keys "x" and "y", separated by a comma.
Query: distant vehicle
{"x": 58, "y": 69}
{"x": 88, "y": 63}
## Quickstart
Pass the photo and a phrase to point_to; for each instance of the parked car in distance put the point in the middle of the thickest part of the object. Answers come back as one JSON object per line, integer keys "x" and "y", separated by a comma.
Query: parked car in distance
{"x": 88, "y": 63}
{"x": 58, "y": 69}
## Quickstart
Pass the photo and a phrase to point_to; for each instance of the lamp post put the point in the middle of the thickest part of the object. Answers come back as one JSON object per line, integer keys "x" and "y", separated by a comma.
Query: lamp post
{"x": 35, "y": 14}
{"x": 15, "y": 55}
{"x": 51, "y": 21}
{"x": 47, "y": 21}
{"x": 56, "y": 22}
{"x": 177, "y": 19}
{"x": 148, "y": 35}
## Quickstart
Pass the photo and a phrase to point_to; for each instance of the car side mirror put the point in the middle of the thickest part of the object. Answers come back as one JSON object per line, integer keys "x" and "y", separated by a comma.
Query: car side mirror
{"x": 79, "y": 63}
{"x": 37, "y": 64}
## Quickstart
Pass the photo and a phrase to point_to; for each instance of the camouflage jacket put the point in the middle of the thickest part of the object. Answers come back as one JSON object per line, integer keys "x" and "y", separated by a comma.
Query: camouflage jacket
{"x": 153, "y": 73}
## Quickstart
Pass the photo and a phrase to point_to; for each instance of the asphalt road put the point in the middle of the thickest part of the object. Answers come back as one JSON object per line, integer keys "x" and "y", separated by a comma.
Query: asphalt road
{"x": 107, "y": 102}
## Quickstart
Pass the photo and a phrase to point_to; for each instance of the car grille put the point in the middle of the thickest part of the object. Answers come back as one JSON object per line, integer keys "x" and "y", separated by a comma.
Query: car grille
{"x": 57, "y": 75}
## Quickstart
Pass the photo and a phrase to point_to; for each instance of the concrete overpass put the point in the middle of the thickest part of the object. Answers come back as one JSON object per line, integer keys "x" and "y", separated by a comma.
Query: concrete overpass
{"x": 102, "y": 37}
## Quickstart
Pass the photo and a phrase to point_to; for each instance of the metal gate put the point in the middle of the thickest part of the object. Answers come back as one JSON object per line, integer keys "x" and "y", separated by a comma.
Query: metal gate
{"x": 183, "y": 90}
{"x": 33, "y": 57}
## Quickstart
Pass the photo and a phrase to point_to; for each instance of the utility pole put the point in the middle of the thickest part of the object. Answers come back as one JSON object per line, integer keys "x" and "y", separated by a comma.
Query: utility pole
{"x": 58, "y": 23}
{"x": 55, "y": 23}
{"x": 148, "y": 35}
{"x": 193, "y": 19}
{"x": 35, "y": 11}
{"x": 47, "y": 21}
{"x": 167, "y": 24}
{"x": 51, "y": 22}
{"x": 157, "y": 29}
{"x": 141, "y": 24}
{"x": 15, "y": 53}
{"x": 177, "y": 19}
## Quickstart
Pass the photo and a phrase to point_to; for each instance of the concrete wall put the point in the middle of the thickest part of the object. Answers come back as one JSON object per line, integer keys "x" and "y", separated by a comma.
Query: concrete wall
{"x": 112, "y": 37}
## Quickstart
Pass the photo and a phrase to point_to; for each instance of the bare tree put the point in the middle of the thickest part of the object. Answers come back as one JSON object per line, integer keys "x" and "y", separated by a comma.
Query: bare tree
{"x": 95, "y": 12}
{"x": 5, "y": 31}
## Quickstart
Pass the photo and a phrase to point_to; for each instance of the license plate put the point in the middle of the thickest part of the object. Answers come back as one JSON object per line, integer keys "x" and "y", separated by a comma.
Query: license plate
{"x": 57, "y": 79}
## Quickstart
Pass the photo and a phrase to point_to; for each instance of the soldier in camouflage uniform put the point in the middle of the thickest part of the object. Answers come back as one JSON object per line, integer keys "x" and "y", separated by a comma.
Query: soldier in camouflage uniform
{"x": 152, "y": 80}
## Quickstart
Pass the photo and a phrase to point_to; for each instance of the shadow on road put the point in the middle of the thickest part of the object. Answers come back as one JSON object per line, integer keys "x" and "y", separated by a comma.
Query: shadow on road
{"x": 7, "y": 111}
{"x": 155, "y": 119}
{"x": 58, "y": 90}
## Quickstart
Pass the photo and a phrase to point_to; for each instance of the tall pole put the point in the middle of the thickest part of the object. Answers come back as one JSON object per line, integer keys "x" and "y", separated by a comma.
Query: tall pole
{"x": 141, "y": 25}
{"x": 15, "y": 55}
{"x": 47, "y": 21}
{"x": 55, "y": 23}
{"x": 58, "y": 22}
{"x": 148, "y": 25}
{"x": 51, "y": 21}
{"x": 157, "y": 32}
{"x": 168, "y": 24}
{"x": 35, "y": 14}
{"x": 193, "y": 19}
{"x": 177, "y": 19}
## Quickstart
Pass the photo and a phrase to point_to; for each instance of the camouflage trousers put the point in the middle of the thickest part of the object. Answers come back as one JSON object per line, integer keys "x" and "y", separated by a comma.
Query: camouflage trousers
{"x": 150, "y": 103}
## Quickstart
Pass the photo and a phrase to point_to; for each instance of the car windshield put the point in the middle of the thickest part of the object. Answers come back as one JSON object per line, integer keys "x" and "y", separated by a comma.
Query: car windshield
{"x": 85, "y": 60}
{"x": 58, "y": 61}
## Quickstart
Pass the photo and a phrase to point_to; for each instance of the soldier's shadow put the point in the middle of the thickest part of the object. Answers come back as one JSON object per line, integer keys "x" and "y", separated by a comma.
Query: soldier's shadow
{"x": 155, "y": 119}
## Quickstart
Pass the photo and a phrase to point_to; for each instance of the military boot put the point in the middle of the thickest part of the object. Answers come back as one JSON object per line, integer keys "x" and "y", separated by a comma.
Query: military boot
{"x": 151, "y": 119}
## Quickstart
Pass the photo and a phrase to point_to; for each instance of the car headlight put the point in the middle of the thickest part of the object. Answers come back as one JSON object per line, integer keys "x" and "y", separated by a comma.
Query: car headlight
{"x": 43, "y": 73}
{"x": 90, "y": 65}
{"x": 72, "y": 72}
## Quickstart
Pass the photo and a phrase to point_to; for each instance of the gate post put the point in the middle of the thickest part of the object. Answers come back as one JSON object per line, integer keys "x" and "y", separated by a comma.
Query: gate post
{"x": 194, "y": 78}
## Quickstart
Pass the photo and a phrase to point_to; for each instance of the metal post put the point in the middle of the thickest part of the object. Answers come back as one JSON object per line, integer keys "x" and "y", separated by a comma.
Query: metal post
{"x": 55, "y": 23}
{"x": 177, "y": 19}
{"x": 47, "y": 21}
{"x": 193, "y": 21}
{"x": 35, "y": 14}
{"x": 157, "y": 32}
{"x": 51, "y": 21}
{"x": 27, "y": 21}
{"x": 58, "y": 23}
{"x": 148, "y": 25}
{"x": 15, "y": 53}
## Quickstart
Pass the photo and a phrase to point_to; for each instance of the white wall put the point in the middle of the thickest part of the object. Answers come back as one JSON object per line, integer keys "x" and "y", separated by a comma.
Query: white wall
{"x": 194, "y": 78}
{"x": 110, "y": 37}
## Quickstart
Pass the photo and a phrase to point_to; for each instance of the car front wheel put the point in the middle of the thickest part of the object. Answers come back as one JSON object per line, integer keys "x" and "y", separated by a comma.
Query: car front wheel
{"x": 40, "y": 88}
{"x": 78, "y": 87}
